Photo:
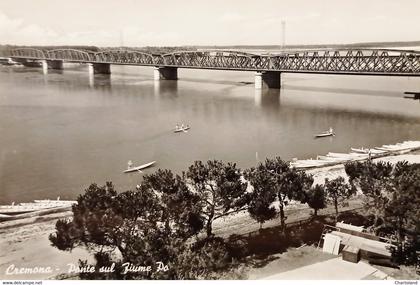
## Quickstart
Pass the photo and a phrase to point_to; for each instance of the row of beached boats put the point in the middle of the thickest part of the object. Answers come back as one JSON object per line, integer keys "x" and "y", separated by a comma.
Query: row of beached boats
{"x": 23, "y": 209}
{"x": 356, "y": 154}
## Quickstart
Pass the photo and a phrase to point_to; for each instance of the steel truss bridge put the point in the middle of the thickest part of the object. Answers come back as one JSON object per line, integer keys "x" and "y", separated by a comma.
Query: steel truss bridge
{"x": 340, "y": 61}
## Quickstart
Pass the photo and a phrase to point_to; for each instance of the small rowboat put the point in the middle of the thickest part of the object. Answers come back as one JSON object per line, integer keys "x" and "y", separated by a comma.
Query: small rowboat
{"x": 325, "y": 134}
{"x": 366, "y": 151}
{"x": 360, "y": 150}
{"x": 139, "y": 168}
{"x": 351, "y": 155}
{"x": 55, "y": 202}
{"x": 181, "y": 130}
{"x": 333, "y": 159}
{"x": 18, "y": 209}
{"x": 308, "y": 163}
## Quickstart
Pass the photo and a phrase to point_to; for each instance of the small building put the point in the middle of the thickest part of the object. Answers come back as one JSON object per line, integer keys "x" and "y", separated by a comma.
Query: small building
{"x": 354, "y": 243}
{"x": 351, "y": 254}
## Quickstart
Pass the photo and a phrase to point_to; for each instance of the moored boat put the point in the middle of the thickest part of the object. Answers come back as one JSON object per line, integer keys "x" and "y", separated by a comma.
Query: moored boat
{"x": 333, "y": 159}
{"x": 58, "y": 202}
{"x": 356, "y": 154}
{"x": 16, "y": 209}
{"x": 360, "y": 150}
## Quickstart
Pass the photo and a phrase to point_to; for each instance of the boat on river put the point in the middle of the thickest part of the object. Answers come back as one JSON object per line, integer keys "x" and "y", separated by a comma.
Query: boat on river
{"x": 139, "y": 168}
{"x": 181, "y": 129}
{"x": 328, "y": 133}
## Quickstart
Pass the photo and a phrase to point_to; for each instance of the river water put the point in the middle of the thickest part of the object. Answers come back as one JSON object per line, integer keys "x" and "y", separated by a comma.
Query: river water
{"x": 62, "y": 131}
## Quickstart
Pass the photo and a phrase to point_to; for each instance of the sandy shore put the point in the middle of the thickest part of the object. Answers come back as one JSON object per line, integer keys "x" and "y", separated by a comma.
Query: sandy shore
{"x": 24, "y": 243}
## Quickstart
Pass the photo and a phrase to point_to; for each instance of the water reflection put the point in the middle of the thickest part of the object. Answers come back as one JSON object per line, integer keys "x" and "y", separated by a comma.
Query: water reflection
{"x": 338, "y": 90}
{"x": 267, "y": 98}
{"x": 167, "y": 88}
{"x": 55, "y": 71}
{"x": 100, "y": 81}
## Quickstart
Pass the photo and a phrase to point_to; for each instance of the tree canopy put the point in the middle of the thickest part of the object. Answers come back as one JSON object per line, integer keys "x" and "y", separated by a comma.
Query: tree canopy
{"x": 393, "y": 193}
{"x": 274, "y": 180}
{"x": 220, "y": 189}
{"x": 316, "y": 198}
{"x": 337, "y": 190}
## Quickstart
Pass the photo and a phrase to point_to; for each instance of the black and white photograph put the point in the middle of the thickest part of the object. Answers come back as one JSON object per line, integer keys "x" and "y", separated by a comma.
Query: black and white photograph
{"x": 271, "y": 140}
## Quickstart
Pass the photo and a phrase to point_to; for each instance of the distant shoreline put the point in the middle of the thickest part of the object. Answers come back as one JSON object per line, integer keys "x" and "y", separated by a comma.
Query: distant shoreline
{"x": 235, "y": 47}
{"x": 351, "y": 45}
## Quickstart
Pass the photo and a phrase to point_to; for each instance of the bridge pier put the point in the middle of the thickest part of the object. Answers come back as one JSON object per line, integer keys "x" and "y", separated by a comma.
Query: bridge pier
{"x": 268, "y": 79}
{"x": 44, "y": 66}
{"x": 165, "y": 73}
{"x": 51, "y": 64}
{"x": 55, "y": 64}
{"x": 99, "y": 68}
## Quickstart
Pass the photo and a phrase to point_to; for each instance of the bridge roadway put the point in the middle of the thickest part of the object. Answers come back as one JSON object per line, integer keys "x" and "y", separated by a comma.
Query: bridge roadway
{"x": 268, "y": 67}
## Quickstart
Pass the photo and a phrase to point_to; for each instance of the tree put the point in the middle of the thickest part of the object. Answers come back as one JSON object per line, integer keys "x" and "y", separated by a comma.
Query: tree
{"x": 372, "y": 179}
{"x": 262, "y": 195}
{"x": 393, "y": 196}
{"x": 139, "y": 227}
{"x": 316, "y": 198}
{"x": 180, "y": 206}
{"x": 402, "y": 212}
{"x": 275, "y": 177}
{"x": 220, "y": 189}
{"x": 206, "y": 259}
{"x": 290, "y": 184}
{"x": 337, "y": 190}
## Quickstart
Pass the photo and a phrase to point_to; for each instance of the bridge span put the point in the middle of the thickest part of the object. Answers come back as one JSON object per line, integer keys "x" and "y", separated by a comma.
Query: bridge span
{"x": 267, "y": 67}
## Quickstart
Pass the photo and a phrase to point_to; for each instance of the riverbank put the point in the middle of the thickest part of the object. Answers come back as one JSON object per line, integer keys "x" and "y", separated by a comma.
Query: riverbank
{"x": 24, "y": 243}
{"x": 333, "y": 172}
{"x": 241, "y": 223}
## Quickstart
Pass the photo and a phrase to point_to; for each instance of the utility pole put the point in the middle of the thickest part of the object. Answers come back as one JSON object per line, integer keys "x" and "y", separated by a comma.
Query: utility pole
{"x": 121, "y": 38}
{"x": 283, "y": 30}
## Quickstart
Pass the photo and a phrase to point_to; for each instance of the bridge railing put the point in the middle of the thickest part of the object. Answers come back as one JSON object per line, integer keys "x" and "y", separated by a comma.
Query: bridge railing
{"x": 29, "y": 53}
{"x": 69, "y": 55}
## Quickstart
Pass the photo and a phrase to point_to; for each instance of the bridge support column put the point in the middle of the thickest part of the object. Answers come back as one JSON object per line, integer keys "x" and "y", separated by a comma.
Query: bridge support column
{"x": 44, "y": 64}
{"x": 99, "y": 68}
{"x": 268, "y": 79}
{"x": 55, "y": 64}
{"x": 165, "y": 73}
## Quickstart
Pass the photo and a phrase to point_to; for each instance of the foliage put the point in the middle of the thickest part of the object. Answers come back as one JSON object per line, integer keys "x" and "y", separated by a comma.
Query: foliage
{"x": 204, "y": 259}
{"x": 371, "y": 179}
{"x": 262, "y": 196}
{"x": 220, "y": 189}
{"x": 272, "y": 181}
{"x": 180, "y": 206}
{"x": 141, "y": 227}
{"x": 402, "y": 214}
{"x": 377, "y": 170}
{"x": 316, "y": 198}
{"x": 394, "y": 196}
{"x": 163, "y": 219}
{"x": 337, "y": 190}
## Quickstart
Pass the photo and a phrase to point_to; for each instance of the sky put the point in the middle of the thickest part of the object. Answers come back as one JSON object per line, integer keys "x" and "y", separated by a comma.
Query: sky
{"x": 212, "y": 22}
